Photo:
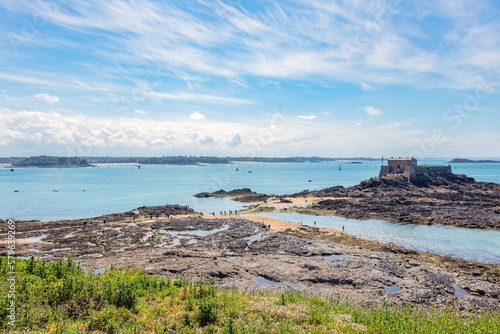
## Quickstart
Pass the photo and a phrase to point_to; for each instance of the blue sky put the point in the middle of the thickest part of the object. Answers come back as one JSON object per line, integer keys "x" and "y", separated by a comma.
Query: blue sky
{"x": 250, "y": 78}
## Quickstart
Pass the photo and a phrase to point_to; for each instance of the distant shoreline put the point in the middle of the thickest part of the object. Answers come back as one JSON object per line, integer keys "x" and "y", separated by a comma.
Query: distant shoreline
{"x": 56, "y": 166}
{"x": 136, "y": 164}
{"x": 470, "y": 161}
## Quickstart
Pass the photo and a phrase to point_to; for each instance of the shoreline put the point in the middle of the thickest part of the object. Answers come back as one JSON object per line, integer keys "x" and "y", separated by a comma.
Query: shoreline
{"x": 120, "y": 164}
{"x": 455, "y": 201}
{"x": 276, "y": 224}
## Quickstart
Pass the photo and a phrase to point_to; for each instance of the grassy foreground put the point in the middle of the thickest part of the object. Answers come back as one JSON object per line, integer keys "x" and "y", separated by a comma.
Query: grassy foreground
{"x": 61, "y": 298}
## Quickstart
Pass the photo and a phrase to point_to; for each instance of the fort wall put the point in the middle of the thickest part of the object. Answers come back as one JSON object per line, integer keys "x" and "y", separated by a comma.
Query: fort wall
{"x": 434, "y": 170}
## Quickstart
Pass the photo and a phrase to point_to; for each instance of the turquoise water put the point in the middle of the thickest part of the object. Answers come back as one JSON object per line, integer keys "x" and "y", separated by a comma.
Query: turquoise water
{"x": 470, "y": 244}
{"x": 119, "y": 189}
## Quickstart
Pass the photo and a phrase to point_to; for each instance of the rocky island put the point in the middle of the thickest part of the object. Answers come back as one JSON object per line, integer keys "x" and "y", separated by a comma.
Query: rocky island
{"x": 469, "y": 161}
{"x": 443, "y": 198}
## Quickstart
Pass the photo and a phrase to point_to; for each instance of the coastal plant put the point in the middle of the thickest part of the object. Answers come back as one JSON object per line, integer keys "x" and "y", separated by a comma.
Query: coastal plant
{"x": 206, "y": 312}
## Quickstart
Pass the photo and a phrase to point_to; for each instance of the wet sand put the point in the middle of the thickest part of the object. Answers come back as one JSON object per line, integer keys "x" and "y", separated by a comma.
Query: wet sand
{"x": 273, "y": 223}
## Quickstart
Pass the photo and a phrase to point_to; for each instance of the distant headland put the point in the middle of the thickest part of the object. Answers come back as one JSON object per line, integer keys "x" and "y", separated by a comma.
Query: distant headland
{"x": 89, "y": 161}
{"x": 47, "y": 161}
{"x": 469, "y": 161}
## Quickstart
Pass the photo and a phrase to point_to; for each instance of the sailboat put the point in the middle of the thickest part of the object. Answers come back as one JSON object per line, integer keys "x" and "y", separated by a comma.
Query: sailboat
{"x": 250, "y": 169}
{"x": 340, "y": 167}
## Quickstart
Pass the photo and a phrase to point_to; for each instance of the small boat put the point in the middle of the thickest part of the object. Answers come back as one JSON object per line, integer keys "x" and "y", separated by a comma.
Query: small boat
{"x": 309, "y": 181}
{"x": 55, "y": 190}
{"x": 12, "y": 169}
{"x": 236, "y": 169}
{"x": 340, "y": 167}
{"x": 250, "y": 169}
{"x": 16, "y": 191}
{"x": 139, "y": 167}
{"x": 83, "y": 189}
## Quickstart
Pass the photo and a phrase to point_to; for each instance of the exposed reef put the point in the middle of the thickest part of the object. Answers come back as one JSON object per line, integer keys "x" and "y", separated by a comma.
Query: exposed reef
{"x": 241, "y": 195}
{"x": 249, "y": 255}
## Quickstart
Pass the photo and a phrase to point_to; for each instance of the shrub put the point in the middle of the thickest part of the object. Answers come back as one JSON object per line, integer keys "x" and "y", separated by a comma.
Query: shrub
{"x": 206, "y": 312}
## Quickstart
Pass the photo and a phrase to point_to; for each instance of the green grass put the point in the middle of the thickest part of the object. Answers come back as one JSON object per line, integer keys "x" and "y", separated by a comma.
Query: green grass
{"x": 60, "y": 297}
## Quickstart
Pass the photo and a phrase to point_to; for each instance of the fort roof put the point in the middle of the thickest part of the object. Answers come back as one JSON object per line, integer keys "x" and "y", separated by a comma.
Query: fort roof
{"x": 400, "y": 158}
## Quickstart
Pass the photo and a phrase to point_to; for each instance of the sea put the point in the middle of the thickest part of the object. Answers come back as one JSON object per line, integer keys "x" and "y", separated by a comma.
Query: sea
{"x": 47, "y": 194}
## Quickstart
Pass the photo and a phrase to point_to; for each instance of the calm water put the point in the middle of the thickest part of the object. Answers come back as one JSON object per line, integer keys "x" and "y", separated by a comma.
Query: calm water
{"x": 118, "y": 189}
{"x": 470, "y": 244}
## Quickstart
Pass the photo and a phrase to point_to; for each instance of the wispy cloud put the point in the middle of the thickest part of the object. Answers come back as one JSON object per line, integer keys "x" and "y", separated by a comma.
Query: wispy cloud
{"x": 47, "y": 98}
{"x": 26, "y": 79}
{"x": 366, "y": 86}
{"x": 372, "y": 111}
{"x": 346, "y": 41}
{"x": 306, "y": 117}
{"x": 394, "y": 125}
{"x": 232, "y": 58}
{"x": 183, "y": 96}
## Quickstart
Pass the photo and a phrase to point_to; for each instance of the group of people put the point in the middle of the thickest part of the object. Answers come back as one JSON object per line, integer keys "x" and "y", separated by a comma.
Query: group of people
{"x": 226, "y": 213}
{"x": 84, "y": 223}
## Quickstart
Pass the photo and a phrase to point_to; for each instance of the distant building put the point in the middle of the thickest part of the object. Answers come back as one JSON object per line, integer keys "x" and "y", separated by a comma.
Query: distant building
{"x": 408, "y": 167}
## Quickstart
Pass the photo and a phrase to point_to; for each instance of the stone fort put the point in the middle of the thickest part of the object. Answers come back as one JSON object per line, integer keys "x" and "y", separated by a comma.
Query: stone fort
{"x": 408, "y": 167}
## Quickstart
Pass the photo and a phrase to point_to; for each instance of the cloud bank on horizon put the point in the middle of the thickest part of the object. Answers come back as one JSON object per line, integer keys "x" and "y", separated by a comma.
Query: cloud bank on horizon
{"x": 264, "y": 77}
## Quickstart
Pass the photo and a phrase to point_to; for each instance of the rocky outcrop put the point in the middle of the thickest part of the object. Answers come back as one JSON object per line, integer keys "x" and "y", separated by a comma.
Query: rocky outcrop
{"x": 241, "y": 195}
{"x": 165, "y": 210}
{"x": 457, "y": 200}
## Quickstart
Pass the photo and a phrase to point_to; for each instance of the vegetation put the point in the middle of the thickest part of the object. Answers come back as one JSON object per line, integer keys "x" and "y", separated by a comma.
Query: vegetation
{"x": 61, "y": 298}
{"x": 46, "y": 161}
{"x": 183, "y": 160}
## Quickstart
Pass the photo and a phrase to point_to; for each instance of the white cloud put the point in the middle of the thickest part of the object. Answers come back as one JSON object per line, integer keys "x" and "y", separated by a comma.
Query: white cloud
{"x": 183, "y": 96}
{"x": 394, "y": 125}
{"x": 366, "y": 86}
{"x": 140, "y": 112}
{"x": 372, "y": 111}
{"x": 197, "y": 116}
{"x": 307, "y": 117}
{"x": 62, "y": 134}
{"x": 47, "y": 98}
{"x": 234, "y": 140}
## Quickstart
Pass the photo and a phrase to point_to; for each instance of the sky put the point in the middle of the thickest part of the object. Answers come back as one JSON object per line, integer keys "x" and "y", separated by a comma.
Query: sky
{"x": 250, "y": 78}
